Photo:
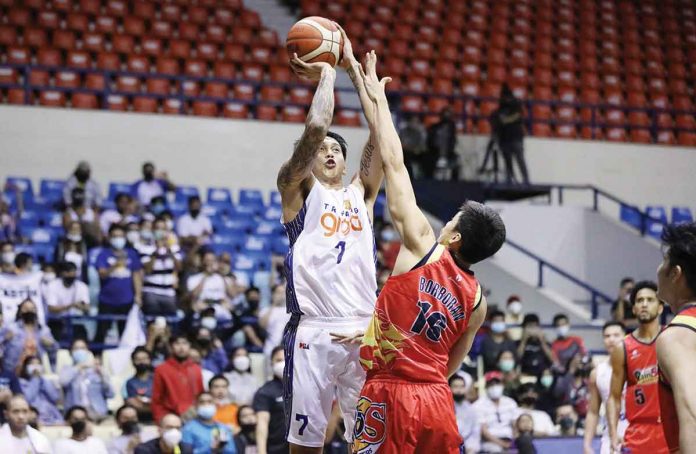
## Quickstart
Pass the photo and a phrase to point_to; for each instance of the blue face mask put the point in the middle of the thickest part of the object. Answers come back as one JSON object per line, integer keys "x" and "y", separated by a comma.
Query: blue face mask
{"x": 80, "y": 356}
{"x": 207, "y": 411}
{"x": 498, "y": 327}
{"x": 118, "y": 242}
{"x": 506, "y": 365}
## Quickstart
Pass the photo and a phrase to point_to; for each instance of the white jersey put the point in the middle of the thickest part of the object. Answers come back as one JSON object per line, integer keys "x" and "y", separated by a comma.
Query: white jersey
{"x": 331, "y": 268}
{"x": 604, "y": 387}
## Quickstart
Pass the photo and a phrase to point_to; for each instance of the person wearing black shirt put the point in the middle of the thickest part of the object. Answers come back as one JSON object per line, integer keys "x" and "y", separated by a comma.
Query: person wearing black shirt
{"x": 533, "y": 349}
{"x": 270, "y": 410}
{"x": 508, "y": 128}
{"x": 245, "y": 440}
{"x": 496, "y": 341}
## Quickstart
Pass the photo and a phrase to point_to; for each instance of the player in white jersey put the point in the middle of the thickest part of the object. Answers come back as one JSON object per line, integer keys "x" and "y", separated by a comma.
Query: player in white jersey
{"x": 331, "y": 274}
{"x": 600, "y": 382}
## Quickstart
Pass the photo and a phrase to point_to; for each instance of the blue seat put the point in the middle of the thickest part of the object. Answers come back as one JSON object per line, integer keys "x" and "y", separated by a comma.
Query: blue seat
{"x": 381, "y": 203}
{"x": 280, "y": 245}
{"x": 275, "y": 199}
{"x": 52, "y": 190}
{"x": 220, "y": 197}
{"x": 630, "y": 215}
{"x": 654, "y": 227}
{"x": 29, "y": 218}
{"x": 117, "y": 188}
{"x": 268, "y": 228}
{"x": 256, "y": 243}
{"x": 23, "y": 184}
{"x": 39, "y": 235}
{"x": 251, "y": 197}
{"x": 52, "y": 219}
{"x": 235, "y": 241}
{"x": 272, "y": 213}
{"x": 250, "y": 211}
{"x": 184, "y": 192}
{"x": 250, "y": 261}
{"x": 222, "y": 248}
{"x": 681, "y": 215}
{"x": 237, "y": 226}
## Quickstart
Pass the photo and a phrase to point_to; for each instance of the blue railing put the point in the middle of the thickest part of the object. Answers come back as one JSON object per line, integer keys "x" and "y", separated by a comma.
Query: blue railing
{"x": 596, "y": 296}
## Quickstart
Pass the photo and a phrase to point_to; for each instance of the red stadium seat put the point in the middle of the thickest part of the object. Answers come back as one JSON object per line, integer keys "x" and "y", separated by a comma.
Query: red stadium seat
{"x": 171, "y": 12}
{"x": 236, "y": 110}
{"x": 566, "y": 113}
{"x": 566, "y": 131}
{"x": 163, "y": 30}
{"x": 235, "y": 52}
{"x": 195, "y": 68}
{"x": 280, "y": 73}
{"x": 215, "y": 33}
{"x": 106, "y": 25}
{"x": 244, "y": 92}
{"x": 8, "y": 75}
{"x": 123, "y": 44}
{"x": 151, "y": 46}
{"x": 268, "y": 38}
{"x": 67, "y": 79}
{"x": 45, "y": 19}
{"x": 207, "y": 51}
{"x": 216, "y": 89}
{"x": 8, "y": 35}
{"x": 83, "y": 101}
{"x": 252, "y": 71}
{"x": 678, "y": 87}
{"x": 261, "y": 55}
{"x": 128, "y": 84}
{"x": 17, "y": 96}
{"x": 682, "y": 103}
{"x": 64, "y": 39}
{"x": 22, "y": 16}
{"x": 108, "y": 61}
{"x": 348, "y": 118}
{"x": 39, "y": 78}
{"x": 79, "y": 59}
{"x": 117, "y": 8}
{"x": 615, "y": 117}
{"x": 93, "y": 42}
{"x": 95, "y": 81}
{"x": 204, "y": 109}
{"x": 145, "y": 104}
{"x": 242, "y": 35}
{"x": 190, "y": 88}
{"x": 18, "y": 55}
{"x": 34, "y": 37}
{"x": 412, "y": 104}
{"x": 470, "y": 88}
{"x": 266, "y": 113}
{"x": 641, "y": 136}
{"x": 541, "y": 130}
{"x": 172, "y": 106}
{"x": 437, "y": 104}
{"x": 293, "y": 114}
{"x": 616, "y": 134}
{"x": 158, "y": 86}
{"x": 566, "y": 79}
{"x": 51, "y": 98}
{"x": 665, "y": 137}
{"x": 138, "y": 64}
{"x": 144, "y": 9}
{"x": 179, "y": 48}
{"x": 90, "y": 7}
{"x": 134, "y": 25}
{"x": 272, "y": 93}
{"x": 687, "y": 139}
{"x": 49, "y": 57}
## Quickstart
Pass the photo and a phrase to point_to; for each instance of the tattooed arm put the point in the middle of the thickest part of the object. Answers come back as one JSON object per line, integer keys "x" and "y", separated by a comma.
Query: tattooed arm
{"x": 295, "y": 176}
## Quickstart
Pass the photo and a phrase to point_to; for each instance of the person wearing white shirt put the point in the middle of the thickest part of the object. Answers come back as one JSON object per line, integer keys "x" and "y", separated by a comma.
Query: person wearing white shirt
{"x": 497, "y": 414}
{"x": 273, "y": 319}
{"x": 194, "y": 227}
{"x": 152, "y": 185}
{"x": 122, "y": 215}
{"x": 81, "y": 441}
{"x": 543, "y": 424}
{"x": 243, "y": 384}
{"x": 209, "y": 288}
{"x": 16, "y": 436}
{"x": 467, "y": 419}
{"x": 66, "y": 296}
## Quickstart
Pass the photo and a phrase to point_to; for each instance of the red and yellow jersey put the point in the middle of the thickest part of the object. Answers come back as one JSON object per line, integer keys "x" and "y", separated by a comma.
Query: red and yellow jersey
{"x": 686, "y": 318}
{"x": 642, "y": 403}
{"x": 418, "y": 317}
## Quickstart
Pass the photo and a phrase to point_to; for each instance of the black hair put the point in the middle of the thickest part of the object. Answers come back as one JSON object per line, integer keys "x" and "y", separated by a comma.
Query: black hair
{"x": 251, "y": 289}
{"x": 243, "y": 407}
{"x": 140, "y": 349}
{"x": 22, "y": 259}
{"x": 640, "y": 286}
{"x": 66, "y": 267}
{"x": 76, "y": 191}
{"x": 626, "y": 280}
{"x": 530, "y": 318}
{"x": 482, "y": 232}
{"x": 558, "y": 317}
{"x": 6, "y": 243}
{"x": 193, "y": 198}
{"x": 115, "y": 227}
{"x": 19, "y": 308}
{"x": 120, "y": 196}
{"x": 203, "y": 393}
{"x": 148, "y": 164}
{"x": 454, "y": 378}
{"x": 123, "y": 408}
{"x": 25, "y": 363}
{"x": 276, "y": 349}
{"x": 524, "y": 388}
{"x": 514, "y": 355}
{"x": 73, "y": 409}
{"x": 341, "y": 141}
{"x": 611, "y": 323}
{"x": 176, "y": 336}
{"x": 217, "y": 377}
{"x": 680, "y": 240}
{"x": 497, "y": 313}
{"x": 78, "y": 339}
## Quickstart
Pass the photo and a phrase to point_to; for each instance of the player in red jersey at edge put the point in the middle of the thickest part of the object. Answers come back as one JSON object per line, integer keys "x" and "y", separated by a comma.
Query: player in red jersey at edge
{"x": 634, "y": 363}
{"x": 427, "y": 314}
{"x": 676, "y": 344}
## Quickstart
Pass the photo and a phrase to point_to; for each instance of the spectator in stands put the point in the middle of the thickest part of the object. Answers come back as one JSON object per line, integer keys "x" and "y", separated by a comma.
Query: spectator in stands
{"x": 210, "y": 288}
{"x": 81, "y": 441}
{"x": 413, "y": 141}
{"x": 270, "y": 410}
{"x": 67, "y": 296}
{"x": 41, "y": 392}
{"x": 7, "y": 257}
{"x": 177, "y": 381}
{"x": 622, "y": 310}
{"x": 514, "y": 316}
{"x": 524, "y": 434}
{"x": 169, "y": 441}
{"x": 9, "y": 385}
{"x": 8, "y": 222}
{"x": 157, "y": 340}
{"x": 467, "y": 418}
{"x": 243, "y": 384}
{"x": 73, "y": 248}
{"x": 533, "y": 349}
{"x": 85, "y": 216}
{"x": 226, "y": 409}
{"x": 161, "y": 279}
{"x": 81, "y": 178}
{"x": 194, "y": 228}
{"x": 567, "y": 421}
{"x": 496, "y": 414}
{"x": 123, "y": 215}
{"x": 571, "y": 387}
{"x": 206, "y": 374}
{"x": 495, "y": 341}
{"x": 16, "y": 436}
{"x": 511, "y": 376}
{"x": 273, "y": 319}
{"x": 145, "y": 243}
{"x": 213, "y": 356}
{"x": 21, "y": 284}
{"x": 442, "y": 140}
{"x": 508, "y": 128}
{"x": 152, "y": 185}
{"x": 157, "y": 207}
{"x": 25, "y": 337}
{"x": 203, "y": 433}
{"x": 545, "y": 385}
{"x": 33, "y": 420}
{"x": 247, "y": 313}
{"x": 139, "y": 386}
{"x": 565, "y": 347}
{"x": 127, "y": 420}
{"x": 120, "y": 273}
{"x": 246, "y": 437}
{"x": 85, "y": 382}
{"x": 527, "y": 400}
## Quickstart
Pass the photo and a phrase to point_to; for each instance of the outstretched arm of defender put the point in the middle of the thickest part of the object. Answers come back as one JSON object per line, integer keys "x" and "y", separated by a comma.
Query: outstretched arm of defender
{"x": 294, "y": 175}
{"x": 618, "y": 378}
{"x": 408, "y": 219}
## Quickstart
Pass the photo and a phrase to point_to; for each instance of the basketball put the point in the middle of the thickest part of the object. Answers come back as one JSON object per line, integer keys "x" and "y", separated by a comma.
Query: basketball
{"x": 315, "y": 39}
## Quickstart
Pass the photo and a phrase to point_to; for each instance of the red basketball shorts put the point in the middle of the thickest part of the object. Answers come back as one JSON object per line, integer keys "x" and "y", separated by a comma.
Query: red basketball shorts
{"x": 645, "y": 438}
{"x": 400, "y": 417}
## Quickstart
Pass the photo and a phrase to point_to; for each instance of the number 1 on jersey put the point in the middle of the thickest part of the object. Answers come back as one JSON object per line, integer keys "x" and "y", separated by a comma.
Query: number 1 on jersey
{"x": 341, "y": 246}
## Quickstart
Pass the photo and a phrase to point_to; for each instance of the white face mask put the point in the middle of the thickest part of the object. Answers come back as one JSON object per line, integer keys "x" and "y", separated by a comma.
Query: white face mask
{"x": 495, "y": 392}
{"x": 278, "y": 369}
{"x": 563, "y": 330}
{"x": 515, "y": 308}
{"x": 8, "y": 257}
{"x": 133, "y": 237}
{"x": 209, "y": 323}
{"x": 241, "y": 363}
{"x": 172, "y": 437}
{"x": 498, "y": 327}
{"x": 49, "y": 276}
{"x": 33, "y": 368}
{"x": 74, "y": 237}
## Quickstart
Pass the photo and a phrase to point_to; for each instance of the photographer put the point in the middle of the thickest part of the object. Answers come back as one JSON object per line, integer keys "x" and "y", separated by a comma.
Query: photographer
{"x": 533, "y": 349}
{"x": 508, "y": 130}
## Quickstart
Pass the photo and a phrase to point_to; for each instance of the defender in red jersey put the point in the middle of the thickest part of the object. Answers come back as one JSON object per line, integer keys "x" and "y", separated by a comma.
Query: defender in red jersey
{"x": 676, "y": 344}
{"x": 635, "y": 364}
{"x": 427, "y": 314}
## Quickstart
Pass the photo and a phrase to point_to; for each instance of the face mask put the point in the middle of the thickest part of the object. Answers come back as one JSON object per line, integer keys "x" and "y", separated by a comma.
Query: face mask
{"x": 515, "y": 308}
{"x": 147, "y": 235}
{"x": 48, "y": 277}
{"x": 563, "y": 330}
{"x": 80, "y": 356}
{"x": 528, "y": 401}
{"x": 248, "y": 428}
{"x": 172, "y": 437}
{"x": 8, "y": 257}
{"x": 118, "y": 242}
{"x": 498, "y": 327}
{"x": 160, "y": 235}
{"x": 33, "y": 368}
{"x": 195, "y": 213}
{"x": 130, "y": 427}
{"x": 241, "y": 363}
{"x": 506, "y": 365}
{"x": 388, "y": 235}
{"x": 546, "y": 381}
{"x": 459, "y": 397}
{"x": 279, "y": 369}
{"x": 148, "y": 176}
{"x": 142, "y": 368}
{"x": 207, "y": 411}
{"x": 28, "y": 317}
{"x": 495, "y": 392}
{"x": 82, "y": 176}
{"x": 170, "y": 224}
{"x": 69, "y": 281}
{"x": 566, "y": 423}
{"x": 78, "y": 201}
{"x": 133, "y": 237}
{"x": 210, "y": 323}
{"x": 204, "y": 342}
{"x": 157, "y": 209}
{"x": 74, "y": 237}
{"x": 78, "y": 426}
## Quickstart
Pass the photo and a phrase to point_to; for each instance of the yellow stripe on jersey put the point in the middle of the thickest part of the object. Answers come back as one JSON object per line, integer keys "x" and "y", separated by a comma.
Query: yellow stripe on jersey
{"x": 478, "y": 297}
{"x": 685, "y": 320}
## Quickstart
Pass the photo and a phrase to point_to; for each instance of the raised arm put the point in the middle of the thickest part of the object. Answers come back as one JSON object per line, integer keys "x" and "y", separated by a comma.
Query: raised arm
{"x": 369, "y": 177}
{"x": 618, "y": 378}
{"x": 413, "y": 227}
{"x": 295, "y": 175}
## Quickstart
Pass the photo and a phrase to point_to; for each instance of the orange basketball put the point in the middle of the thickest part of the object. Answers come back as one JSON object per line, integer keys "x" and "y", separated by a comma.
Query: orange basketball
{"x": 315, "y": 39}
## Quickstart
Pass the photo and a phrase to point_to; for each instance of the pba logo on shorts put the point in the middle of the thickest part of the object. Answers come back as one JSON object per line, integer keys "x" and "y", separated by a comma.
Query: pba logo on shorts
{"x": 370, "y": 426}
